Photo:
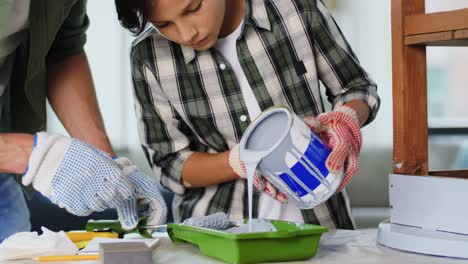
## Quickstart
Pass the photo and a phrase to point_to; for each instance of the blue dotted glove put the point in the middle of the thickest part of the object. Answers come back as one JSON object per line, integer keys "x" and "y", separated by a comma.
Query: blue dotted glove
{"x": 75, "y": 175}
{"x": 147, "y": 202}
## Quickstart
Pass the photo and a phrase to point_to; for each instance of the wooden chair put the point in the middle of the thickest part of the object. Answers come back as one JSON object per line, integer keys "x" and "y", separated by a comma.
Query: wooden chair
{"x": 429, "y": 210}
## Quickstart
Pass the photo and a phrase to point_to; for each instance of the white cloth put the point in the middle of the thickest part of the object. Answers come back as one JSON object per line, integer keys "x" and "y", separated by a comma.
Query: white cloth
{"x": 269, "y": 208}
{"x": 28, "y": 245}
{"x": 10, "y": 37}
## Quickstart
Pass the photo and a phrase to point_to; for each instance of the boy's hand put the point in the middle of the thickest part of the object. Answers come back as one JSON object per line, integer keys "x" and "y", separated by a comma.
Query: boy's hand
{"x": 341, "y": 132}
{"x": 147, "y": 201}
{"x": 75, "y": 175}
{"x": 259, "y": 181}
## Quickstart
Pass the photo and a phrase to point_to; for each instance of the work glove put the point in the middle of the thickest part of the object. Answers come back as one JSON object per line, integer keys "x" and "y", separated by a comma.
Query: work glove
{"x": 75, "y": 175}
{"x": 262, "y": 184}
{"x": 147, "y": 201}
{"x": 340, "y": 130}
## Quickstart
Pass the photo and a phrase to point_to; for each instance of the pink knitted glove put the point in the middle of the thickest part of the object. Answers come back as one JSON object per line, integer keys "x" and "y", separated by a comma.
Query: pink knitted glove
{"x": 340, "y": 130}
{"x": 260, "y": 183}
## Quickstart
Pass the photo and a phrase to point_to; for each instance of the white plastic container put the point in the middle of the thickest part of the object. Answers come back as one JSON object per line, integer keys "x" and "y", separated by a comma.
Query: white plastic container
{"x": 292, "y": 157}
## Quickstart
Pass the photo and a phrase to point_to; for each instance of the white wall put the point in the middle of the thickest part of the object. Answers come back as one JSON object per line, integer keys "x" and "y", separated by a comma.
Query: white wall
{"x": 108, "y": 48}
{"x": 366, "y": 24}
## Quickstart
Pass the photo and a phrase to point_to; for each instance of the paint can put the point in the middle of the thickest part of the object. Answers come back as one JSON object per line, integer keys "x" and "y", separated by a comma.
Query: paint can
{"x": 289, "y": 155}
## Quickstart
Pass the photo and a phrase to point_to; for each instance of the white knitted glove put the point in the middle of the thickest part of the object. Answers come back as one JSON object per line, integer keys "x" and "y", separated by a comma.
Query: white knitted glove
{"x": 75, "y": 175}
{"x": 147, "y": 201}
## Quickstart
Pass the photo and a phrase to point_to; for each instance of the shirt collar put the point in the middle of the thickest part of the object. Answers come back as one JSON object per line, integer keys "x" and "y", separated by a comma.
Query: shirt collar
{"x": 189, "y": 53}
{"x": 255, "y": 15}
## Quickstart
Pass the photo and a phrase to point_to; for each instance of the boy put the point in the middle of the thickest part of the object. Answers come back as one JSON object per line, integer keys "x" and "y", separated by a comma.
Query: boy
{"x": 206, "y": 68}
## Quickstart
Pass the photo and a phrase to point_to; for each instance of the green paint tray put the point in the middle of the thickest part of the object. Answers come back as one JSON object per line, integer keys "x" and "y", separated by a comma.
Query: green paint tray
{"x": 290, "y": 242}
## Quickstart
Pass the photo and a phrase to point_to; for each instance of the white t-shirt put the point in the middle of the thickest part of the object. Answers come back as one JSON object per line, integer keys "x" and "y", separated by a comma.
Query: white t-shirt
{"x": 227, "y": 47}
{"x": 10, "y": 37}
{"x": 269, "y": 208}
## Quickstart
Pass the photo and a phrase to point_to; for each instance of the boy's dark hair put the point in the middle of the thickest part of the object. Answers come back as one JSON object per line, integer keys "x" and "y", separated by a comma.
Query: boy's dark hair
{"x": 133, "y": 14}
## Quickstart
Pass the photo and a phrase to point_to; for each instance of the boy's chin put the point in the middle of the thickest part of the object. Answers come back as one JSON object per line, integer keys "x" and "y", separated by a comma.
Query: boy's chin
{"x": 202, "y": 48}
{"x": 205, "y": 47}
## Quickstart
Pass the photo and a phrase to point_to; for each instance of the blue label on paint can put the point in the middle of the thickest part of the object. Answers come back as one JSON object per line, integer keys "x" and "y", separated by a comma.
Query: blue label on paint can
{"x": 309, "y": 168}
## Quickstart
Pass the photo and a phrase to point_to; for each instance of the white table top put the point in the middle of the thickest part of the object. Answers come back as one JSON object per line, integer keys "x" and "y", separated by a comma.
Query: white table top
{"x": 336, "y": 246}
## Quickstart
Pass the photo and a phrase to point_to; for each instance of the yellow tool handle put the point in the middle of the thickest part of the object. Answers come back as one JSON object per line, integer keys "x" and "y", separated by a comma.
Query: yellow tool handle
{"x": 86, "y": 236}
{"x": 68, "y": 258}
{"x": 82, "y": 244}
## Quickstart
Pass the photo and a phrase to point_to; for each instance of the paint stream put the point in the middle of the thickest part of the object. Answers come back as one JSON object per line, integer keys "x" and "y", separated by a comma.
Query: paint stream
{"x": 250, "y": 168}
{"x": 251, "y": 160}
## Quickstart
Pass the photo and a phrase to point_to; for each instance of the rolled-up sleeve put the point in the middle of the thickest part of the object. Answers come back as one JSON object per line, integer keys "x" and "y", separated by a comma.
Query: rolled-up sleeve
{"x": 71, "y": 37}
{"x": 337, "y": 65}
{"x": 163, "y": 134}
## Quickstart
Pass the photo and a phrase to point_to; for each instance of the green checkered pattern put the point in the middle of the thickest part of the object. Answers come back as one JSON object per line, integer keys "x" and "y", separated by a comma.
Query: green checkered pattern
{"x": 185, "y": 102}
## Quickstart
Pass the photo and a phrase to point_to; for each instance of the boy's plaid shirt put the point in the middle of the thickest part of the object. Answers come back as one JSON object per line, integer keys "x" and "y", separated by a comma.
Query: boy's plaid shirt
{"x": 188, "y": 101}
